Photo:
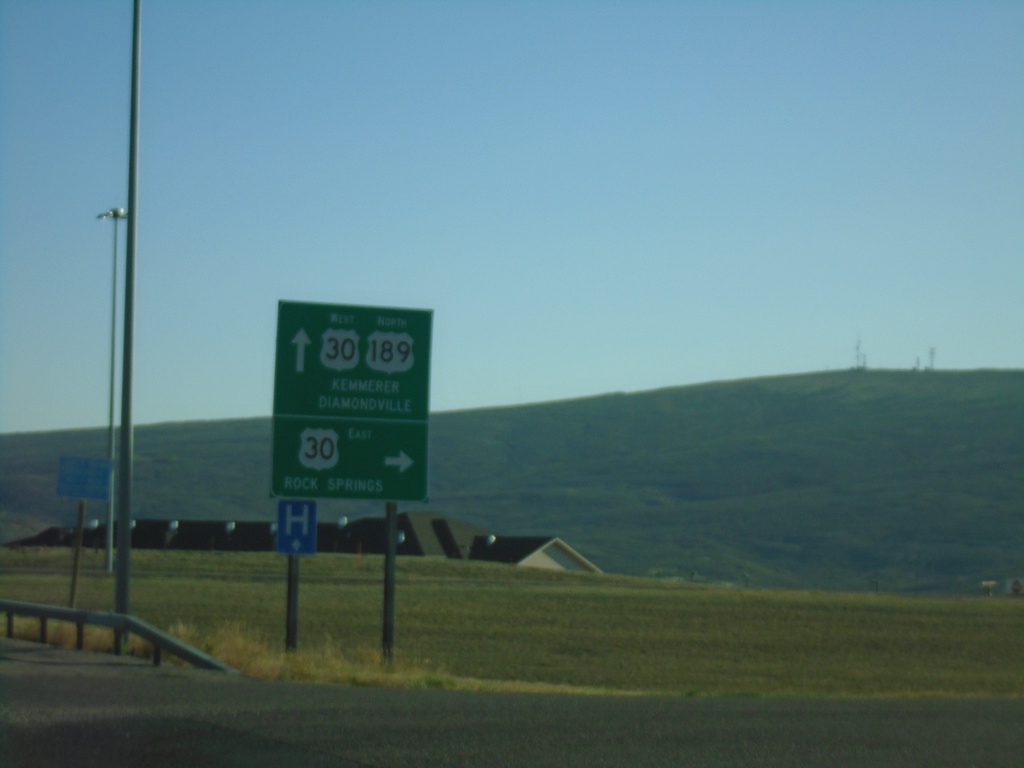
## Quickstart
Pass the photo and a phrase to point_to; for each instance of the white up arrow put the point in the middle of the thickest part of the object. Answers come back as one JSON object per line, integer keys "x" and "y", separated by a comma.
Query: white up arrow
{"x": 402, "y": 461}
{"x": 301, "y": 341}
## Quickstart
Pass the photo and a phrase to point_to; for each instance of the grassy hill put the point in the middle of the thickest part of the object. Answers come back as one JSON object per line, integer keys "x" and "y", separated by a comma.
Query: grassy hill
{"x": 898, "y": 481}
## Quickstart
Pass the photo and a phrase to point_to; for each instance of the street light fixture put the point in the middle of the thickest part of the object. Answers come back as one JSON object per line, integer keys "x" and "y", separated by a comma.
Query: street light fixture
{"x": 115, "y": 214}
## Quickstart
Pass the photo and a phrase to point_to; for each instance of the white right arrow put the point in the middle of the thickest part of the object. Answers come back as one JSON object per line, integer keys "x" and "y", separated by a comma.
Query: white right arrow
{"x": 301, "y": 341}
{"x": 402, "y": 461}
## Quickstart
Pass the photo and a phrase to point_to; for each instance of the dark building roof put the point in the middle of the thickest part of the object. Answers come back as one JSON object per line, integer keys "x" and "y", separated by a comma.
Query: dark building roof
{"x": 51, "y": 537}
{"x": 422, "y": 534}
{"x": 436, "y": 536}
{"x": 507, "y": 549}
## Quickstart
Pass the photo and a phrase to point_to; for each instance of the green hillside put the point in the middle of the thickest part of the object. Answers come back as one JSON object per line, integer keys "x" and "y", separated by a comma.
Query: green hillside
{"x": 851, "y": 480}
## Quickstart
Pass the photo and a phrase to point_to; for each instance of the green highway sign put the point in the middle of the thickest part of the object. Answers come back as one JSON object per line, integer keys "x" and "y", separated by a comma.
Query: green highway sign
{"x": 351, "y": 402}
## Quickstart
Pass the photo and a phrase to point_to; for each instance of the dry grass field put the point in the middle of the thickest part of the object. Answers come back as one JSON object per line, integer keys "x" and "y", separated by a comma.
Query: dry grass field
{"x": 485, "y": 626}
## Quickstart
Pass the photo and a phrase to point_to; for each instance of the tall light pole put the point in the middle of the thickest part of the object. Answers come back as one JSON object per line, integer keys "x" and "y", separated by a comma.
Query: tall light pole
{"x": 115, "y": 214}
{"x": 122, "y": 577}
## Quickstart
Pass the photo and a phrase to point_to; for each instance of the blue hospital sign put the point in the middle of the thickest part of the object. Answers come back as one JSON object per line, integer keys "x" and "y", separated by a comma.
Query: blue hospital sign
{"x": 296, "y": 527}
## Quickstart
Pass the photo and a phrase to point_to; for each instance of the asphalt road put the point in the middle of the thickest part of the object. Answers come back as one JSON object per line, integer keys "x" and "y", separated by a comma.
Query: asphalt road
{"x": 66, "y": 708}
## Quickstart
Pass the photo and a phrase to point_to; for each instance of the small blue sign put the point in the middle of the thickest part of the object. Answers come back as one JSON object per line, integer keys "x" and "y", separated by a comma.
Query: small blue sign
{"x": 296, "y": 527}
{"x": 83, "y": 478}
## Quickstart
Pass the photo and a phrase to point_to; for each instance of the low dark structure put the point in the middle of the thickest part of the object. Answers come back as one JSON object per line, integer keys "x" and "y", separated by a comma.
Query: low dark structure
{"x": 420, "y": 534}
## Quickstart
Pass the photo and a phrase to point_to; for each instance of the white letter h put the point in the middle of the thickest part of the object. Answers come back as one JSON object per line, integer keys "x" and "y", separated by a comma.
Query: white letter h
{"x": 297, "y": 514}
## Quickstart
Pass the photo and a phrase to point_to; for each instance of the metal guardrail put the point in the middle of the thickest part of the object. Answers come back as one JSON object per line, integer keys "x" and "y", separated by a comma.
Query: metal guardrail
{"x": 120, "y": 623}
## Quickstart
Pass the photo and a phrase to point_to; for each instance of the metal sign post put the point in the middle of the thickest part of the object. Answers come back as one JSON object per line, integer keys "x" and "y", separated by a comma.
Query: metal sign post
{"x": 291, "y": 621}
{"x": 77, "y": 562}
{"x": 390, "y": 553}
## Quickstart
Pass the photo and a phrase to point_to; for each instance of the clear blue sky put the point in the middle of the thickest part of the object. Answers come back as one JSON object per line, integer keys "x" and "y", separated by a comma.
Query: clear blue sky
{"x": 591, "y": 196}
